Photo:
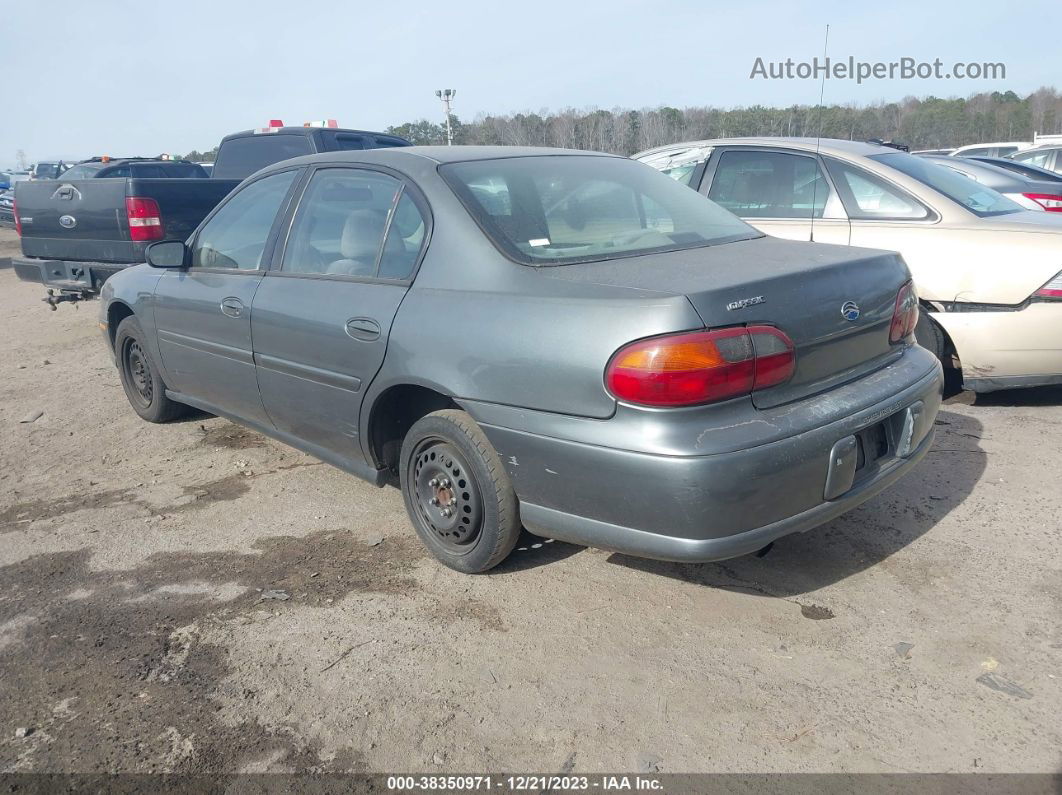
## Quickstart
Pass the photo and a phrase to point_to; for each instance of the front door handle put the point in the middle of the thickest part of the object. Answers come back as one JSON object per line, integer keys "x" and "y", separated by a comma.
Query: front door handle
{"x": 233, "y": 307}
{"x": 364, "y": 329}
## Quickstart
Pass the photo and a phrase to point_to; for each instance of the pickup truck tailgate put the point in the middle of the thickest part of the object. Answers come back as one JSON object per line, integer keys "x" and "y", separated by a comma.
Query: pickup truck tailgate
{"x": 85, "y": 220}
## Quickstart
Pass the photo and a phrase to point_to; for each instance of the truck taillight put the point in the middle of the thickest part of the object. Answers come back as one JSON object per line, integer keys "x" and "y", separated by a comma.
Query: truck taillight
{"x": 904, "y": 314}
{"x": 145, "y": 219}
{"x": 1049, "y": 201}
{"x": 1052, "y": 291}
{"x": 700, "y": 367}
{"x": 18, "y": 221}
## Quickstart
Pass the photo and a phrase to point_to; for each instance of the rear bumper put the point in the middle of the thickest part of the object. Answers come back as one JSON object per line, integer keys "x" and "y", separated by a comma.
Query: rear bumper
{"x": 65, "y": 275}
{"x": 1005, "y": 350}
{"x": 710, "y": 507}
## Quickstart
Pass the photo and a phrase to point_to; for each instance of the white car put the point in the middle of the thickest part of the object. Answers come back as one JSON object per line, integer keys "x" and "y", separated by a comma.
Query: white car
{"x": 988, "y": 272}
{"x": 998, "y": 149}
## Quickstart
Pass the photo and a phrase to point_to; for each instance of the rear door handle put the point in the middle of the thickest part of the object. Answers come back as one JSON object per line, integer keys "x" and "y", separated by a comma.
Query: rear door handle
{"x": 233, "y": 307}
{"x": 364, "y": 329}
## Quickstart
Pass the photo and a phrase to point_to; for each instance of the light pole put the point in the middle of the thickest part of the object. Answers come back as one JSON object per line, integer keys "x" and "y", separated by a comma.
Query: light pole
{"x": 447, "y": 95}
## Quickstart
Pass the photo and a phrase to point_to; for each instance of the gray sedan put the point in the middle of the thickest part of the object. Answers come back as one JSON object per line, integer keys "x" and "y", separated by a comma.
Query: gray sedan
{"x": 1032, "y": 194}
{"x": 567, "y": 342}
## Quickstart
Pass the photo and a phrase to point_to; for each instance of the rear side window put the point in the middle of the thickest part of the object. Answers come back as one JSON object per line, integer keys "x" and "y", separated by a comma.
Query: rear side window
{"x": 868, "y": 196}
{"x": 753, "y": 184}
{"x": 237, "y": 234}
{"x": 355, "y": 141}
{"x": 1035, "y": 157}
{"x": 241, "y": 157}
{"x": 354, "y": 222}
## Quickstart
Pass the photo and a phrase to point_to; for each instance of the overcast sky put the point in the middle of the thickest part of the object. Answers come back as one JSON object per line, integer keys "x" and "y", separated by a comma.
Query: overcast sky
{"x": 114, "y": 77}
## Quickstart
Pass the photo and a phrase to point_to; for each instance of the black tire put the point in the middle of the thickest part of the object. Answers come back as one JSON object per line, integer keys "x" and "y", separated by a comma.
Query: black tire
{"x": 448, "y": 459}
{"x": 144, "y": 387}
{"x": 931, "y": 337}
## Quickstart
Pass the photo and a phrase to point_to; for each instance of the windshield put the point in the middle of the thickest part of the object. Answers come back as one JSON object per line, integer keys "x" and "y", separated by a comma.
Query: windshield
{"x": 83, "y": 171}
{"x": 975, "y": 197}
{"x": 558, "y": 209}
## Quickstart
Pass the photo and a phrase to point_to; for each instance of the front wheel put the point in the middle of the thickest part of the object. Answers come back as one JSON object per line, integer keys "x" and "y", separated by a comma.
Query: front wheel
{"x": 457, "y": 493}
{"x": 140, "y": 377}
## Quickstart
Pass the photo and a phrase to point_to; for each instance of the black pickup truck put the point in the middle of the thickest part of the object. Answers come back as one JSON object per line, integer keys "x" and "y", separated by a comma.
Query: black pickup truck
{"x": 99, "y": 216}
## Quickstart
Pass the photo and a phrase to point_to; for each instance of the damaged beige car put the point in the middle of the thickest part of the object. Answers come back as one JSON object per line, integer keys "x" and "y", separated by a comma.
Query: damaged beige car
{"x": 988, "y": 272}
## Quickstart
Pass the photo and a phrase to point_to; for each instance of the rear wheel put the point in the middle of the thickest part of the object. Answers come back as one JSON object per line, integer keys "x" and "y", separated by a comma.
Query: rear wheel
{"x": 457, "y": 492}
{"x": 140, "y": 377}
{"x": 931, "y": 337}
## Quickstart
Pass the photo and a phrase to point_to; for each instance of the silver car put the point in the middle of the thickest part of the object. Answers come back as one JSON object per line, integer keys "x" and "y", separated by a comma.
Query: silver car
{"x": 567, "y": 342}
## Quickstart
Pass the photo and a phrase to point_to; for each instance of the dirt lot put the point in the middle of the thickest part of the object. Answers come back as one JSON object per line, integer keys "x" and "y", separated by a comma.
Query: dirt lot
{"x": 140, "y": 628}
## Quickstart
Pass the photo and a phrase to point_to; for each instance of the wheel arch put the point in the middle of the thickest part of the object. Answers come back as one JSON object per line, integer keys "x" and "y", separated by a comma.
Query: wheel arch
{"x": 394, "y": 411}
{"x": 117, "y": 311}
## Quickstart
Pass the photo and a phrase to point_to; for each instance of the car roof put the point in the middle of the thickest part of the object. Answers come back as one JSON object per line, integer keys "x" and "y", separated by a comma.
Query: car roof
{"x": 301, "y": 130}
{"x": 823, "y": 145}
{"x": 436, "y": 154}
{"x": 968, "y": 165}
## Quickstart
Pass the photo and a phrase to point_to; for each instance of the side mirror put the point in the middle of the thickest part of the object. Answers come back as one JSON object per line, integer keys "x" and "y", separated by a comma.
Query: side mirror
{"x": 167, "y": 254}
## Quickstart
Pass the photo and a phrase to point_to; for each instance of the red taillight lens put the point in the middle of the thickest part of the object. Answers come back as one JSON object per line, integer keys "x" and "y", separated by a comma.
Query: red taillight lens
{"x": 1049, "y": 201}
{"x": 18, "y": 221}
{"x": 904, "y": 314}
{"x": 700, "y": 366}
{"x": 1052, "y": 290}
{"x": 145, "y": 219}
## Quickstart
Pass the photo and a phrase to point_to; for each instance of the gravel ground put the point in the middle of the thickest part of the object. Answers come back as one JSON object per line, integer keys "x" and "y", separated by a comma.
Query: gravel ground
{"x": 197, "y": 598}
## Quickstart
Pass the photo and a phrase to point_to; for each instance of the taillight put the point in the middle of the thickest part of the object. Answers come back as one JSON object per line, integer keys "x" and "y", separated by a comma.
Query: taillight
{"x": 904, "y": 314}
{"x": 1052, "y": 291}
{"x": 18, "y": 221}
{"x": 145, "y": 219}
{"x": 1049, "y": 201}
{"x": 699, "y": 367}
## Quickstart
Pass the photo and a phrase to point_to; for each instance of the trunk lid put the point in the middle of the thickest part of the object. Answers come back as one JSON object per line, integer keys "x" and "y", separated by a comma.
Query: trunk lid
{"x": 797, "y": 287}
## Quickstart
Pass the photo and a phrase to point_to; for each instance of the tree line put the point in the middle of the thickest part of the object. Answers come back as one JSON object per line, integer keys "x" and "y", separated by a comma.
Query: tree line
{"x": 921, "y": 123}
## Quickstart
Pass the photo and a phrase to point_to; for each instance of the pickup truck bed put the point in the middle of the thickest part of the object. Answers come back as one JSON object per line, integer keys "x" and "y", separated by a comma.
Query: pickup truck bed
{"x": 77, "y": 233}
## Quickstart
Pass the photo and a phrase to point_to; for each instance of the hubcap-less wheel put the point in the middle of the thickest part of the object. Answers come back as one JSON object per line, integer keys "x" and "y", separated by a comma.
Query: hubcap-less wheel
{"x": 139, "y": 372}
{"x": 447, "y": 500}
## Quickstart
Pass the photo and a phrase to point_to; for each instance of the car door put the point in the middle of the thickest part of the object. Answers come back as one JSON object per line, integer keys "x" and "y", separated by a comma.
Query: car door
{"x": 782, "y": 193}
{"x": 203, "y": 313}
{"x": 322, "y": 315}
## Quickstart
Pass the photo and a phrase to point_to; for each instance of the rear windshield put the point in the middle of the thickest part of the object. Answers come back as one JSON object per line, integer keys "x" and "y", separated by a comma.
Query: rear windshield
{"x": 975, "y": 197}
{"x": 559, "y": 209}
{"x": 241, "y": 157}
{"x": 355, "y": 141}
{"x": 83, "y": 171}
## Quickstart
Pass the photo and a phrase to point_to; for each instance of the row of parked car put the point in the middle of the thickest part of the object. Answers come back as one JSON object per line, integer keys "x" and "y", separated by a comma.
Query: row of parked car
{"x": 660, "y": 356}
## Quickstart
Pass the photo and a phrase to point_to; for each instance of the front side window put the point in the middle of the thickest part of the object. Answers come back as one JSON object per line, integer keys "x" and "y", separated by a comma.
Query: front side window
{"x": 754, "y": 184}
{"x": 237, "y": 234}
{"x": 975, "y": 197}
{"x": 354, "y": 222}
{"x": 558, "y": 209}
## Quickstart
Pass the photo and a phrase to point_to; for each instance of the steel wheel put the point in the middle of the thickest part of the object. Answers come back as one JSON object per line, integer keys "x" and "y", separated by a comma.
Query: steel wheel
{"x": 447, "y": 499}
{"x": 138, "y": 371}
